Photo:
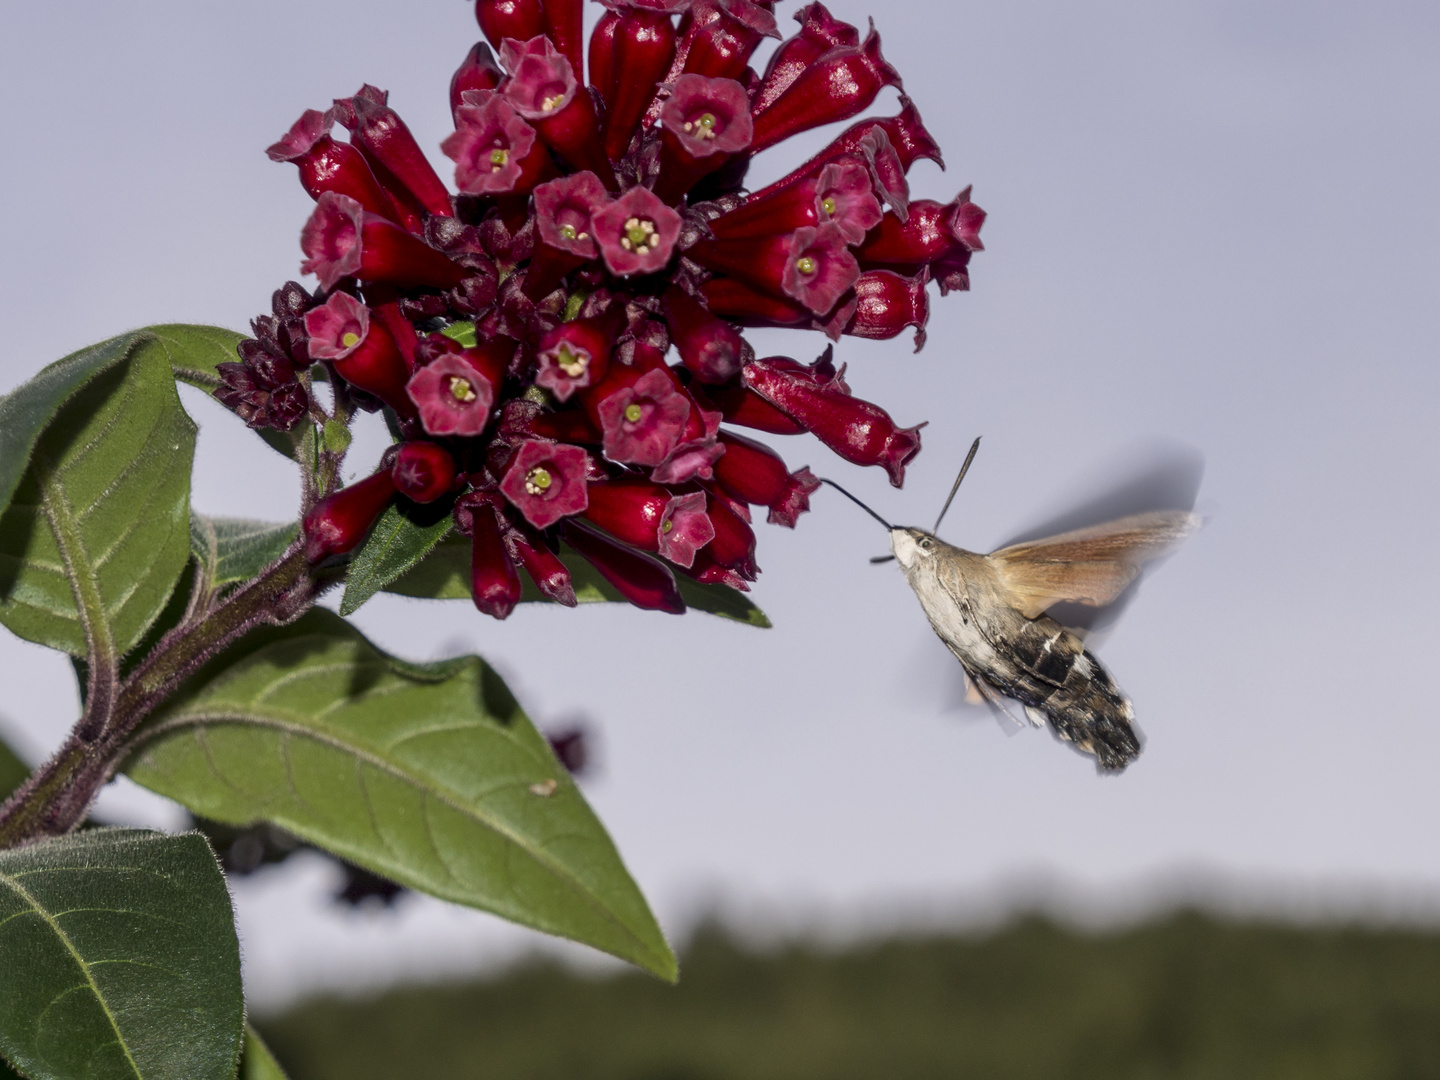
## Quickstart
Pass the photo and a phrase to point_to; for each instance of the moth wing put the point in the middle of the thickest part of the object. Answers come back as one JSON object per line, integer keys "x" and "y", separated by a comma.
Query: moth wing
{"x": 1088, "y": 566}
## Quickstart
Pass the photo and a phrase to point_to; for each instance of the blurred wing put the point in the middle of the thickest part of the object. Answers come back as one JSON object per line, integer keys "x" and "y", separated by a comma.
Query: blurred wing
{"x": 1088, "y": 566}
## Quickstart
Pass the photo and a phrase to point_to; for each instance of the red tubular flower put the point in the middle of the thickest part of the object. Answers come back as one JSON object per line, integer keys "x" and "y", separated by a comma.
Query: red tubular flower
{"x": 720, "y": 48}
{"x": 841, "y": 83}
{"x": 518, "y": 19}
{"x": 342, "y": 239}
{"x": 327, "y": 165}
{"x": 906, "y": 132}
{"x": 733, "y": 546}
{"x": 479, "y": 71}
{"x": 563, "y": 19}
{"x": 575, "y": 354}
{"x": 644, "y": 581}
{"x": 886, "y": 303}
{"x": 649, "y": 516}
{"x": 753, "y": 473}
{"x": 812, "y": 265}
{"x": 741, "y": 405}
{"x": 547, "y": 481}
{"x": 423, "y": 471}
{"x": 564, "y": 209}
{"x": 550, "y": 575}
{"x": 494, "y": 581}
{"x": 711, "y": 348}
{"x": 602, "y": 54}
{"x": 642, "y": 46}
{"x": 362, "y": 351}
{"x": 544, "y": 90}
{"x": 705, "y": 122}
{"x": 859, "y": 431}
{"x": 732, "y": 299}
{"x": 819, "y": 32}
{"x": 887, "y": 172}
{"x": 932, "y": 232}
{"x": 339, "y": 523}
{"x": 456, "y": 392}
{"x": 636, "y": 233}
{"x": 494, "y": 150}
{"x": 384, "y": 139}
{"x": 842, "y": 193}
{"x": 385, "y": 310}
{"x": 642, "y": 416}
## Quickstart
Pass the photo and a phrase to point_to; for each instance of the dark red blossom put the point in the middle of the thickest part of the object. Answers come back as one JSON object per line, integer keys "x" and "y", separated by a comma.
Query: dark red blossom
{"x": 546, "y": 481}
{"x": 423, "y": 471}
{"x": 733, "y": 545}
{"x": 342, "y": 239}
{"x": 636, "y": 233}
{"x": 933, "y": 231}
{"x": 550, "y": 575}
{"x": 455, "y": 392}
{"x": 494, "y": 580}
{"x": 753, "y": 473}
{"x": 705, "y": 121}
{"x": 839, "y": 84}
{"x": 711, "y": 348}
{"x": 642, "y": 421}
{"x": 819, "y": 32}
{"x": 843, "y": 193}
{"x": 380, "y": 134}
{"x": 337, "y": 524}
{"x": 478, "y": 71}
{"x": 494, "y": 150}
{"x": 362, "y": 351}
{"x": 544, "y": 90}
{"x": 518, "y": 19}
{"x": 812, "y": 266}
{"x": 641, "y": 579}
{"x": 327, "y": 165}
{"x": 886, "y": 303}
{"x": 641, "y": 43}
{"x": 563, "y": 25}
{"x": 648, "y": 516}
{"x": 575, "y": 354}
{"x": 858, "y": 430}
{"x": 720, "y": 48}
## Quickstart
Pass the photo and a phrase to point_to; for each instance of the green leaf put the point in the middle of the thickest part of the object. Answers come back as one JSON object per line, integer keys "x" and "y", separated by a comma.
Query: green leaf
{"x": 234, "y": 549}
{"x": 257, "y": 1063}
{"x": 397, "y": 543}
{"x": 193, "y": 352}
{"x": 462, "y": 331}
{"x": 428, "y": 774}
{"x": 13, "y": 771}
{"x": 445, "y": 575}
{"x": 119, "y": 959}
{"x": 97, "y": 531}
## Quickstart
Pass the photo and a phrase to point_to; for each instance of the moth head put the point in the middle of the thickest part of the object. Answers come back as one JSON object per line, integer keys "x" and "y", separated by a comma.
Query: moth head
{"x": 912, "y": 546}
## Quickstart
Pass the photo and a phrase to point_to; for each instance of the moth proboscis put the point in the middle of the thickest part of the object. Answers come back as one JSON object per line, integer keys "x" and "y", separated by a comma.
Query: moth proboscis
{"x": 990, "y": 611}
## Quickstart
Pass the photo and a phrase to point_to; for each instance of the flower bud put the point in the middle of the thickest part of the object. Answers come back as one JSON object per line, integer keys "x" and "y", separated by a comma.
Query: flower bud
{"x": 518, "y": 19}
{"x": 905, "y": 131}
{"x": 709, "y": 347}
{"x": 811, "y": 265}
{"x": 380, "y": 134}
{"x": 642, "y": 46}
{"x": 753, "y": 473}
{"x": 478, "y": 71}
{"x": 704, "y": 121}
{"x": 644, "y": 581}
{"x": 494, "y": 581}
{"x": 819, "y": 32}
{"x": 841, "y": 83}
{"x": 887, "y": 303}
{"x": 648, "y": 516}
{"x": 546, "y": 481}
{"x": 362, "y": 351}
{"x": 575, "y": 354}
{"x": 932, "y": 232}
{"x": 327, "y": 165}
{"x": 495, "y": 151}
{"x": 636, "y": 233}
{"x": 858, "y": 430}
{"x": 721, "y": 48}
{"x": 543, "y": 88}
{"x": 341, "y": 239}
{"x": 733, "y": 546}
{"x": 423, "y": 471}
{"x": 339, "y": 523}
{"x": 550, "y": 575}
{"x": 642, "y": 416}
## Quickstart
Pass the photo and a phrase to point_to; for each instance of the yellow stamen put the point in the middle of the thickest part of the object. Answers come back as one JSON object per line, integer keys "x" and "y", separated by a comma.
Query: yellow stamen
{"x": 551, "y": 102}
{"x": 498, "y": 158}
{"x": 461, "y": 390}
{"x": 570, "y": 362}
{"x": 667, "y": 526}
{"x": 805, "y": 264}
{"x": 349, "y": 339}
{"x": 828, "y": 205}
{"x": 538, "y": 480}
{"x": 633, "y": 413}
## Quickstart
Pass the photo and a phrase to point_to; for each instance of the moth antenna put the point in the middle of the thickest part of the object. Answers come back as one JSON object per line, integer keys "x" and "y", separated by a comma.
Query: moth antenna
{"x": 858, "y": 503}
{"x": 963, "y": 470}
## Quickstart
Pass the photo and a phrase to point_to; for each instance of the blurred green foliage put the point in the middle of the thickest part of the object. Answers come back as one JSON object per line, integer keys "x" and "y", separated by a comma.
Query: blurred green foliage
{"x": 1190, "y": 997}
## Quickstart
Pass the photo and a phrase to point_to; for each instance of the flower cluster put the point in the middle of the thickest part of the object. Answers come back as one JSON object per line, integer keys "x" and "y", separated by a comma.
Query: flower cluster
{"x": 558, "y": 343}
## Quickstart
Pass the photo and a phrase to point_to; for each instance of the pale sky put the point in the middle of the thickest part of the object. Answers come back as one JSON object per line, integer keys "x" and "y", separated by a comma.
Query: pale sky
{"x": 1212, "y": 226}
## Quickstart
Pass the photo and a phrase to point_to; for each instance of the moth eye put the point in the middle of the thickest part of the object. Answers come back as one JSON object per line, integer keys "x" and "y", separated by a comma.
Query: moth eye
{"x": 925, "y": 545}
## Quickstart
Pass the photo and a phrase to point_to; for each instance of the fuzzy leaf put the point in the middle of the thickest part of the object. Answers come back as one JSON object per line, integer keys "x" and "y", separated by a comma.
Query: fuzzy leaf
{"x": 97, "y": 531}
{"x": 428, "y": 774}
{"x": 234, "y": 549}
{"x": 258, "y": 1063}
{"x": 193, "y": 352}
{"x": 397, "y": 543}
{"x": 118, "y": 959}
{"x": 445, "y": 575}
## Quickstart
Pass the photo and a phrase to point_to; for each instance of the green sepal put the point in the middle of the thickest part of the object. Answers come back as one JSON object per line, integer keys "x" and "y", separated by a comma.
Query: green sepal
{"x": 257, "y": 1062}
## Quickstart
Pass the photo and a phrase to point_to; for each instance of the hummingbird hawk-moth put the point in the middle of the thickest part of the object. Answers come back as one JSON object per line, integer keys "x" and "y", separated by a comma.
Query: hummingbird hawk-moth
{"x": 990, "y": 611}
